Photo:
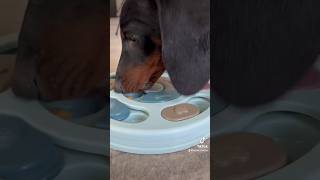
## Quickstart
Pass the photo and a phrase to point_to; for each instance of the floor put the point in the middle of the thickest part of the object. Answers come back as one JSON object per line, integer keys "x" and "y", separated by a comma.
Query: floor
{"x": 191, "y": 164}
{"x": 115, "y": 45}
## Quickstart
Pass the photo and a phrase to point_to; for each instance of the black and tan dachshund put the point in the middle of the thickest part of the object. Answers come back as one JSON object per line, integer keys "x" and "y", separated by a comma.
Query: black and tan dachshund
{"x": 159, "y": 35}
{"x": 260, "y": 49}
{"x": 62, "y": 50}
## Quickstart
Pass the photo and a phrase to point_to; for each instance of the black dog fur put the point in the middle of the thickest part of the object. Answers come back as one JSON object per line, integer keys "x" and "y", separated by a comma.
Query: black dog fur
{"x": 262, "y": 48}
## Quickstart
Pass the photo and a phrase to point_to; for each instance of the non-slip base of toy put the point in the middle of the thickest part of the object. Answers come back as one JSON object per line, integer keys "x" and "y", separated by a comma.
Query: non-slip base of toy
{"x": 145, "y": 131}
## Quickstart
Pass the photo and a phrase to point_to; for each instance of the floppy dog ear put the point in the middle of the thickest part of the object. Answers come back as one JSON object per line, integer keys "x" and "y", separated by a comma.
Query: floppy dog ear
{"x": 262, "y": 48}
{"x": 185, "y": 36}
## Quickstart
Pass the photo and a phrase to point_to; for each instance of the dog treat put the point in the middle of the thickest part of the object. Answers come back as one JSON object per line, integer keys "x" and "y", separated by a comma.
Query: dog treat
{"x": 245, "y": 156}
{"x": 118, "y": 110}
{"x": 161, "y": 91}
{"x": 133, "y": 95}
{"x": 157, "y": 87}
{"x": 62, "y": 114}
{"x": 180, "y": 112}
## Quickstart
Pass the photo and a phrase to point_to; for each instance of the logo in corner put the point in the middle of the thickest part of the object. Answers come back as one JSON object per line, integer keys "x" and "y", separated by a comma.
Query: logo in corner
{"x": 201, "y": 147}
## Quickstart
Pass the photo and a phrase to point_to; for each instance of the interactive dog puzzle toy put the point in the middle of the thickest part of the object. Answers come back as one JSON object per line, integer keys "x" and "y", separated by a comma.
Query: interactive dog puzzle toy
{"x": 158, "y": 121}
{"x": 57, "y": 140}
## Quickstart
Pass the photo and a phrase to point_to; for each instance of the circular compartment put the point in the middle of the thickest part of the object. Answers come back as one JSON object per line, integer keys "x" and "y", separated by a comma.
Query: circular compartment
{"x": 79, "y": 111}
{"x": 118, "y": 110}
{"x": 136, "y": 116}
{"x": 200, "y": 103}
{"x": 162, "y": 91}
{"x": 180, "y": 112}
{"x": 246, "y": 156}
{"x": 77, "y": 107}
{"x": 296, "y": 133}
{"x": 121, "y": 112}
{"x": 26, "y": 153}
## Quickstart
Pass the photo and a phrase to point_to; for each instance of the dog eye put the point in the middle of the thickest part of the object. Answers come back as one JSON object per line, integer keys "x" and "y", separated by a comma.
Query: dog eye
{"x": 130, "y": 37}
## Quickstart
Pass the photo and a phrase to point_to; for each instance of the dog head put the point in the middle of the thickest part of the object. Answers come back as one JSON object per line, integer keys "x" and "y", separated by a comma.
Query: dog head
{"x": 159, "y": 35}
{"x": 140, "y": 63}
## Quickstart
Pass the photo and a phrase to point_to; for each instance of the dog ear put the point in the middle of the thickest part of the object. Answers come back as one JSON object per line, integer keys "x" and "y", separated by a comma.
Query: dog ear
{"x": 185, "y": 35}
{"x": 24, "y": 78}
{"x": 262, "y": 48}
